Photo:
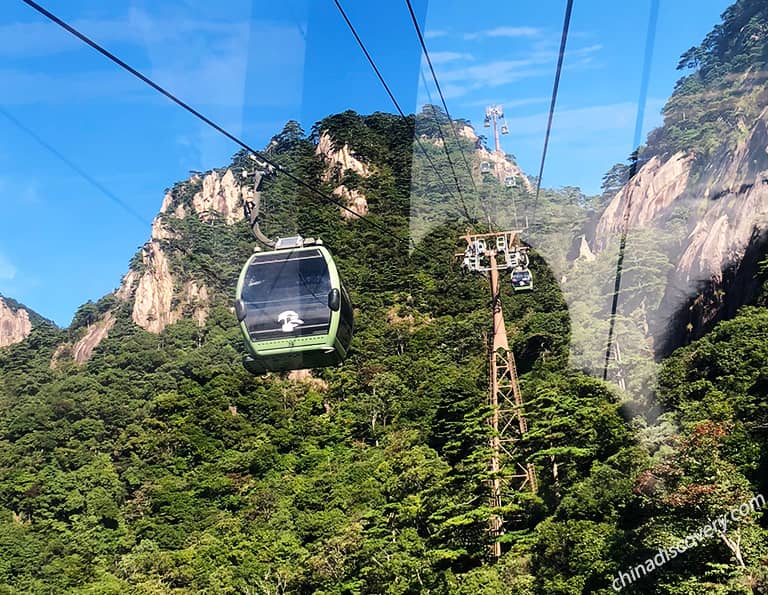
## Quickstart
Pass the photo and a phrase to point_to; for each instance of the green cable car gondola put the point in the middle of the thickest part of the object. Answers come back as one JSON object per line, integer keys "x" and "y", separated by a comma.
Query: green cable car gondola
{"x": 293, "y": 310}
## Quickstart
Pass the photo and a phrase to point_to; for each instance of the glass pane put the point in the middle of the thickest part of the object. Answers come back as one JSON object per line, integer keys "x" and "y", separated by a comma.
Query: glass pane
{"x": 286, "y": 295}
{"x": 279, "y": 277}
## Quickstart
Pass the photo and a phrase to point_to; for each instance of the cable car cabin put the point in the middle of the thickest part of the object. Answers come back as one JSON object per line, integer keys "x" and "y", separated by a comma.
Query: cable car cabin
{"x": 522, "y": 280}
{"x": 510, "y": 182}
{"x": 485, "y": 167}
{"x": 293, "y": 310}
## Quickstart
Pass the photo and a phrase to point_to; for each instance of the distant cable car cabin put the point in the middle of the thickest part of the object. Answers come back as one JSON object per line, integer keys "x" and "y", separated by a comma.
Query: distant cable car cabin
{"x": 521, "y": 277}
{"x": 522, "y": 280}
{"x": 507, "y": 255}
{"x": 485, "y": 167}
{"x": 510, "y": 182}
{"x": 293, "y": 310}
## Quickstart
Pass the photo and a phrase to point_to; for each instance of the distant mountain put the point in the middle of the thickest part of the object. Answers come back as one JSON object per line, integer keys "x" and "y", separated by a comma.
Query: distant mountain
{"x": 137, "y": 455}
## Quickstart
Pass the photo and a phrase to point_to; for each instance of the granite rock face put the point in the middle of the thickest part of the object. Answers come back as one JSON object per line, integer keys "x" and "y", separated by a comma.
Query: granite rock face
{"x": 15, "y": 324}
{"x": 727, "y": 202}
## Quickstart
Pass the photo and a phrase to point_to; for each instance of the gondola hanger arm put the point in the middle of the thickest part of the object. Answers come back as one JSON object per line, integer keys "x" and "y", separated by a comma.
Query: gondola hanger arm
{"x": 252, "y": 208}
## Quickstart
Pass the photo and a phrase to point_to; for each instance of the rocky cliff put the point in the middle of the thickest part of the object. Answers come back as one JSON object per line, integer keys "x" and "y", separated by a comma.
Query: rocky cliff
{"x": 695, "y": 211}
{"x": 96, "y": 333}
{"x": 159, "y": 297}
{"x": 737, "y": 190}
{"x": 655, "y": 186}
{"x": 704, "y": 215}
{"x": 338, "y": 162}
{"x": 724, "y": 204}
{"x": 15, "y": 323}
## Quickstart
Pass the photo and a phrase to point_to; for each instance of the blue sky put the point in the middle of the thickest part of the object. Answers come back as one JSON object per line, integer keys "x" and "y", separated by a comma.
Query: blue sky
{"x": 86, "y": 151}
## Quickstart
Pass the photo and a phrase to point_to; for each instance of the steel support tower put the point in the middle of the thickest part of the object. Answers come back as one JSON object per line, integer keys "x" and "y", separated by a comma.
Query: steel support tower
{"x": 494, "y": 113}
{"x": 489, "y": 253}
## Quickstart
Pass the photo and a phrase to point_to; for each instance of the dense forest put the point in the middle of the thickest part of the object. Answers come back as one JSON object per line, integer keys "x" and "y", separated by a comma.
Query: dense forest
{"x": 160, "y": 466}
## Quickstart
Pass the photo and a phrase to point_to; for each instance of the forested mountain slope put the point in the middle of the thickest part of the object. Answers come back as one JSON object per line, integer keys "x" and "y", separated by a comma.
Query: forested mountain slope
{"x": 136, "y": 454}
{"x": 154, "y": 462}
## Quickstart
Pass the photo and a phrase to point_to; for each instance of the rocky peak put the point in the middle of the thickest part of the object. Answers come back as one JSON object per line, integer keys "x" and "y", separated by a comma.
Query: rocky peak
{"x": 159, "y": 299}
{"x": 216, "y": 192}
{"x": 339, "y": 162}
{"x": 503, "y": 167}
{"x": 15, "y": 323}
